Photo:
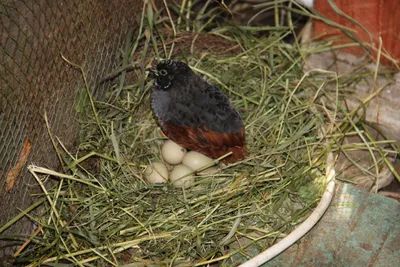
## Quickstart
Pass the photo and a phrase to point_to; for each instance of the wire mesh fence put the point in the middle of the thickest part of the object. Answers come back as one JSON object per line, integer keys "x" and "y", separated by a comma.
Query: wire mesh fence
{"x": 35, "y": 80}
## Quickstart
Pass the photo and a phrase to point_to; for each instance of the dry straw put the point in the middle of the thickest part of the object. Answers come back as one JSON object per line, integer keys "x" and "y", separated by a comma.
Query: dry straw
{"x": 102, "y": 213}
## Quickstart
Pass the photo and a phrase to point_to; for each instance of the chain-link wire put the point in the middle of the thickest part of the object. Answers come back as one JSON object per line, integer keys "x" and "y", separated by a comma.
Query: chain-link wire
{"x": 35, "y": 80}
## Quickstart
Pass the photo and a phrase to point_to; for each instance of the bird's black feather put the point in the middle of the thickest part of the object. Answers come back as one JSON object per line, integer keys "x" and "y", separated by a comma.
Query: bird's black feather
{"x": 182, "y": 97}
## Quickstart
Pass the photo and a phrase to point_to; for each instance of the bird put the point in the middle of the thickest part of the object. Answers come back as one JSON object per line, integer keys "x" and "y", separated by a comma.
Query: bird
{"x": 194, "y": 113}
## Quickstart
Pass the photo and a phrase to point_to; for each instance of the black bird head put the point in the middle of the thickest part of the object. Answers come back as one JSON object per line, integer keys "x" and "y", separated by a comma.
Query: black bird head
{"x": 167, "y": 71}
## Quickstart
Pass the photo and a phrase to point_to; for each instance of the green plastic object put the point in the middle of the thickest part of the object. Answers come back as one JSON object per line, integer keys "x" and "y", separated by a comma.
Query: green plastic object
{"x": 359, "y": 229}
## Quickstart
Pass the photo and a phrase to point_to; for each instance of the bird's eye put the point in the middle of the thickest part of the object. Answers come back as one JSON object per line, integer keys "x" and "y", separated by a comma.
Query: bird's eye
{"x": 163, "y": 72}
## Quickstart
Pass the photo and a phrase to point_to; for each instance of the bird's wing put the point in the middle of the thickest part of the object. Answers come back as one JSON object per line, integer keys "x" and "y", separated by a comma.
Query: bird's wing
{"x": 205, "y": 106}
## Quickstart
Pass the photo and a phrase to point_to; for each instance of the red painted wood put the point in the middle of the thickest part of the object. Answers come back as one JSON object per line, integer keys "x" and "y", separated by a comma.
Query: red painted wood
{"x": 381, "y": 18}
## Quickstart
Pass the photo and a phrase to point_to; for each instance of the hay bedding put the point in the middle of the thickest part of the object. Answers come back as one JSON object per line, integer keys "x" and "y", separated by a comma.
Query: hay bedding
{"x": 101, "y": 212}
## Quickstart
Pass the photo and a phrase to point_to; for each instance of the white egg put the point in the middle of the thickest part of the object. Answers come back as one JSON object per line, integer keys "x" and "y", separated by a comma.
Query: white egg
{"x": 176, "y": 176}
{"x": 156, "y": 173}
{"x": 172, "y": 153}
{"x": 195, "y": 160}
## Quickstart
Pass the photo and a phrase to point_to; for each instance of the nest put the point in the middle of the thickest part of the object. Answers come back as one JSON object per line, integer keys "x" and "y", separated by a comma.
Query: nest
{"x": 101, "y": 212}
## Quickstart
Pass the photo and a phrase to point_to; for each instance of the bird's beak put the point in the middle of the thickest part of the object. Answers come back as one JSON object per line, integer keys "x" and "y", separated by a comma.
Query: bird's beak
{"x": 152, "y": 73}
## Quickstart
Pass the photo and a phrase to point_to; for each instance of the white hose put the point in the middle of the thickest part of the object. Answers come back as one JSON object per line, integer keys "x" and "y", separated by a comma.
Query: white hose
{"x": 303, "y": 228}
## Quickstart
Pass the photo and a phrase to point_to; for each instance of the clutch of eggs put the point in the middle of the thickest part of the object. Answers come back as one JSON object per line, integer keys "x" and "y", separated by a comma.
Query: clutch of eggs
{"x": 185, "y": 163}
